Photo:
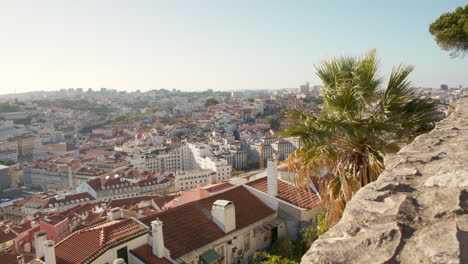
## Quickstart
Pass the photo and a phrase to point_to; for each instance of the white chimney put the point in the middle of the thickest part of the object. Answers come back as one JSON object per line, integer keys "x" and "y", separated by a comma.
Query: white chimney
{"x": 119, "y": 261}
{"x": 224, "y": 215}
{"x": 115, "y": 213}
{"x": 49, "y": 252}
{"x": 158, "y": 238}
{"x": 272, "y": 176}
{"x": 20, "y": 259}
{"x": 39, "y": 238}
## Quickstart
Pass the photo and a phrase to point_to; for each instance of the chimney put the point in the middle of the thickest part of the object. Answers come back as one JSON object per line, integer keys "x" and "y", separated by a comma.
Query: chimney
{"x": 272, "y": 176}
{"x": 49, "y": 252}
{"x": 115, "y": 213}
{"x": 158, "y": 238}
{"x": 212, "y": 178}
{"x": 119, "y": 261}
{"x": 20, "y": 259}
{"x": 224, "y": 215}
{"x": 39, "y": 238}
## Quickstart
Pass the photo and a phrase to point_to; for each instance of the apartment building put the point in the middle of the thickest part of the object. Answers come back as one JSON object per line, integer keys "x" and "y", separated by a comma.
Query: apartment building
{"x": 188, "y": 180}
{"x": 283, "y": 148}
{"x": 110, "y": 188}
{"x": 44, "y": 176}
{"x": 201, "y": 157}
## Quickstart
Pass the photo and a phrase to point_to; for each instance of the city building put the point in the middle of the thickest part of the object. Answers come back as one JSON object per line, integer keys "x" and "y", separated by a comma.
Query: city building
{"x": 5, "y": 178}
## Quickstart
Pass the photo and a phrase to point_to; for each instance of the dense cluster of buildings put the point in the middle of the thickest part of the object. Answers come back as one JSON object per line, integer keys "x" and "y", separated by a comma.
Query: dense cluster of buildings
{"x": 155, "y": 177}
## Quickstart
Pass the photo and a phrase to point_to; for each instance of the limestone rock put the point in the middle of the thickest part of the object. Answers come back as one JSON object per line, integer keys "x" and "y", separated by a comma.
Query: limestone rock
{"x": 416, "y": 212}
{"x": 455, "y": 179}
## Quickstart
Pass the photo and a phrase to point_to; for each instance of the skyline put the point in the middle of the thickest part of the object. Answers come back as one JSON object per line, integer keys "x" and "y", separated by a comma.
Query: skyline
{"x": 213, "y": 45}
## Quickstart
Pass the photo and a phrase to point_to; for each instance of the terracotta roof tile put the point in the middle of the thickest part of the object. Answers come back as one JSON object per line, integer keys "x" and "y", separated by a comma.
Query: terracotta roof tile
{"x": 195, "y": 228}
{"x": 288, "y": 192}
{"x": 85, "y": 244}
{"x": 129, "y": 202}
{"x": 146, "y": 253}
{"x": 53, "y": 219}
{"x": 6, "y": 235}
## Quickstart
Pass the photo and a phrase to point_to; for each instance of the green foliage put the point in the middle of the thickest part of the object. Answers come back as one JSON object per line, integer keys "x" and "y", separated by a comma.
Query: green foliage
{"x": 237, "y": 172}
{"x": 322, "y": 222}
{"x": 81, "y": 105}
{"x": 251, "y": 100}
{"x": 7, "y": 162}
{"x": 307, "y": 236}
{"x": 313, "y": 100}
{"x": 25, "y": 121}
{"x": 274, "y": 123}
{"x": 294, "y": 250}
{"x": 211, "y": 101}
{"x": 118, "y": 120}
{"x": 179, "y": 134}
{"x": 360, "y": 121}
{"x": 450, "y": 31}
{"x": 266, "y": 258}
{"x": 7, "y": 108}
{"x": 284, "y": 247}
{"x": 252, "y": 165}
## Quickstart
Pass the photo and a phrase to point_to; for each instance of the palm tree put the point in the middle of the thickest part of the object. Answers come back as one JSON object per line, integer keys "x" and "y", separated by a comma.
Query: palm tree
{"x": 360, "y": 121}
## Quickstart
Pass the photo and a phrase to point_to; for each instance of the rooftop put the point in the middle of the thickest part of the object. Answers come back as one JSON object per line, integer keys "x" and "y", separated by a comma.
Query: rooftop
{"x": 86, "y": 243}
{"x": 288, "y": 192}
{"x": 196, "y": 228}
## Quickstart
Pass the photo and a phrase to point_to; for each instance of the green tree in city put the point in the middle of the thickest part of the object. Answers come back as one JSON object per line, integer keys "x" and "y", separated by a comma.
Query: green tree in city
{"x": 7, "y": 162}
{"x": 211, "y": 101}
{"x": 361, "y": 120}
{"x": 273, "y": 259}
{"x": 274, "y": 123}
{"x": 450, "y": 31}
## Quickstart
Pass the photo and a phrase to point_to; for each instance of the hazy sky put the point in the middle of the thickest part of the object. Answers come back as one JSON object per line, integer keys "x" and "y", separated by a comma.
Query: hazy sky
{"x": 218, "y": 44}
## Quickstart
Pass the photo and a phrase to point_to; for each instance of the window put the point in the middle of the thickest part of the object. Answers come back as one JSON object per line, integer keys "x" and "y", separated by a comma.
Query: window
{"x": 123, "y": 253}
{"x": 220, "y": 250}
{"x": 246, "y": 242}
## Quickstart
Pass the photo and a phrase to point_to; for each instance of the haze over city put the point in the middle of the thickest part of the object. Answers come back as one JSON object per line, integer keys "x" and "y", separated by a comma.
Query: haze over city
{"x": 233, "y": 132}
{"x": 221, "y": 45}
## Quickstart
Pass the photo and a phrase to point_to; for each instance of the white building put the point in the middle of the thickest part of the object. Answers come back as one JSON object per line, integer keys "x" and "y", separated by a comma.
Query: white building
{"x": 283, "y": 148}
{"x": 188, "y": 180}
{"x": 201, "y": 157}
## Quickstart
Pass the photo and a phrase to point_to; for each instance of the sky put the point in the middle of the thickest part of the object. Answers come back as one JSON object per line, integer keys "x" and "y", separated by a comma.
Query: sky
{"x": 213, "y": 44}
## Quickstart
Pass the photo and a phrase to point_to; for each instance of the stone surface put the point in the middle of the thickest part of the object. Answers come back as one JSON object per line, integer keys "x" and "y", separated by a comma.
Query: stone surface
{"x": 416, "y": 212}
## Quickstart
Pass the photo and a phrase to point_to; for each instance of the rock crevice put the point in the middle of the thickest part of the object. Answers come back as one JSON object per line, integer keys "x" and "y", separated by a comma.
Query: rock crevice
{"x": 416, "y": 212}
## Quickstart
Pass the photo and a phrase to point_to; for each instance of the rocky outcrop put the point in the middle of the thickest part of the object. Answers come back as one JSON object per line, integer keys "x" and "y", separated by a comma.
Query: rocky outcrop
{"x": 416, "y": 212}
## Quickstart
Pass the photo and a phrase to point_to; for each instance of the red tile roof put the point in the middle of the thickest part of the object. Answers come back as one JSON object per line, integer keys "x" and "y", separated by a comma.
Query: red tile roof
{"x": 146, "y": 253}
{"x": 81, "y": 209}
{"x": 196, "y": 228}
{"x": 288, "y": 192}
{"x": 218, "y": 187}
{"x": 11, "y": 257}
{"x": 53, "y": 219}
{"x": 129, "y": 202}
{"x": 69, "y": 198}
{"x": 6, "y": 235}
{"x": 98, "y": 183}
{"x": 88, "y": 243}
{"x": 161, "y": 201}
